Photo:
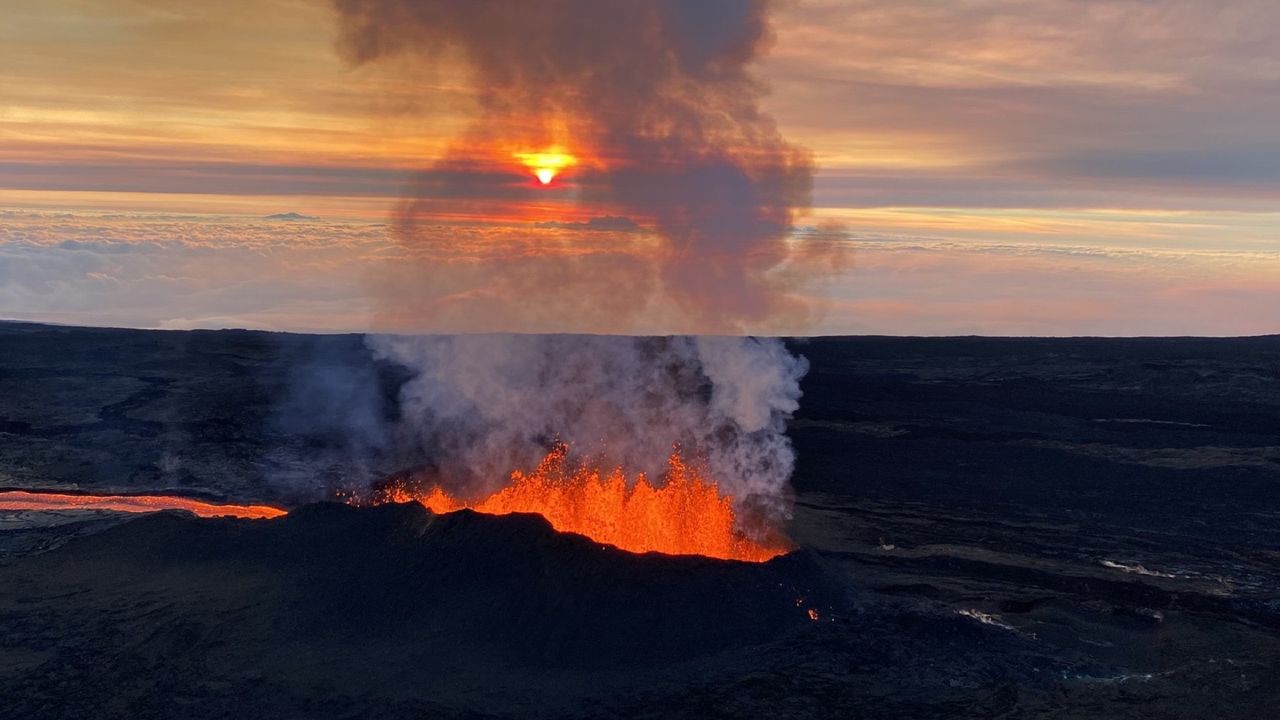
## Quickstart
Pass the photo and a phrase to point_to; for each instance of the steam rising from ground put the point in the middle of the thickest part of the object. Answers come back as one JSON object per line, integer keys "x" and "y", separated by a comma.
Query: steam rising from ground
{"x": 485, "y": 404}
{"x": 657, "y": 100}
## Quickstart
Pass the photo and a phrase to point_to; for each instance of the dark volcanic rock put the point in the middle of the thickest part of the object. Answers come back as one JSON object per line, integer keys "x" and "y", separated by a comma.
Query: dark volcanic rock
{"x": 393, "y": 612}
{"x": 392, "y": 601}
{"x": 511, "y": 583}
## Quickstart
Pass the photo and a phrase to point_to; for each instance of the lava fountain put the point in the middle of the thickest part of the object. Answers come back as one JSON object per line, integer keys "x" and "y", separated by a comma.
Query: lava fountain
{"x": 687, "y": 515}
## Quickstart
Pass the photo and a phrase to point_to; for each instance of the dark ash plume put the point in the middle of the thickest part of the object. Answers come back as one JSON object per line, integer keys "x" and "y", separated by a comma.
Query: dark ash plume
{"x": 658, "y": 99}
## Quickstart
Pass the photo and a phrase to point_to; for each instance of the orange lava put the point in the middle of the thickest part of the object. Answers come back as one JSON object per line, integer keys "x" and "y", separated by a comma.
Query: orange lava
{"x": 686, "y": 516}
{"x": 23, "y": 500}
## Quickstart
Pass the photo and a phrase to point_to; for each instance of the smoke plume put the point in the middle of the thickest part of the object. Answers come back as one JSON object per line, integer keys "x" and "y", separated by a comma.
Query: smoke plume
{"x": 485, "y": 404}
{"x": 676, "y": 218}
{"x": 657, "y": 100}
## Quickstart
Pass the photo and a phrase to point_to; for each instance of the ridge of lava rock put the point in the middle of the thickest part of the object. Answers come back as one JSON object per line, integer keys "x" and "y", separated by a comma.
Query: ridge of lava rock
{"x": 506, "y": 587}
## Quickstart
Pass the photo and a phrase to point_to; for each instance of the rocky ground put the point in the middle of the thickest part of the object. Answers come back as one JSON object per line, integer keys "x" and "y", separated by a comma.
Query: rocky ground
{"x": 1013, "y": 528}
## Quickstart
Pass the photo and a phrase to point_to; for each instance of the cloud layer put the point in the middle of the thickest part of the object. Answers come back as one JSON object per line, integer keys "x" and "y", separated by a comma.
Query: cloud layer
{"x": 658, "y": 101}
{"x": 1098, "y": 124}
{"x": 187, "y": 271}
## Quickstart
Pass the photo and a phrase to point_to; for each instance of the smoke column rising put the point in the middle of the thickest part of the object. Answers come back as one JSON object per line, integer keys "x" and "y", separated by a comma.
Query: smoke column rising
{"x": 490, "y": 403}
{"x": 658, "y": 99}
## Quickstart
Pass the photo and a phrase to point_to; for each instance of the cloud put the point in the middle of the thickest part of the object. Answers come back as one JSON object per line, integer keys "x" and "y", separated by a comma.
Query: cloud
{"x": 947, "y": 287}
{"x": 1225, "y": 167}
{"x": 611, "y": 223}
{"x": 1118, "y": 134}
{"x": 165, "y": 272}
{"x": 200, "y": 176}
{"x": 1075, "y": 99}
{"x": 178, "y": 272}
{"x": 1029, "y": 103}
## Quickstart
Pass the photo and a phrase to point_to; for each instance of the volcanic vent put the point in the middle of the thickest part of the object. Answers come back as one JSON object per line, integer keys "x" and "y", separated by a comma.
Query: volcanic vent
{"x": 443, "y": 594}
{"x": 674, "y": 445}
{"x": 686, "y": 514}
{"x": 661, "y": 221}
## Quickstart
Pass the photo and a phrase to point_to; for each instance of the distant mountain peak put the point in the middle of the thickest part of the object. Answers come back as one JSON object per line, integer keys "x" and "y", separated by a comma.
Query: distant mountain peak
{"x": 291, "y": 216}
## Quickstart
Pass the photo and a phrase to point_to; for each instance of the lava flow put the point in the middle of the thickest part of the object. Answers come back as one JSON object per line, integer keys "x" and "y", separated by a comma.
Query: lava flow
{"x": 686, "y": 516}
{"x": 24, "y": 500}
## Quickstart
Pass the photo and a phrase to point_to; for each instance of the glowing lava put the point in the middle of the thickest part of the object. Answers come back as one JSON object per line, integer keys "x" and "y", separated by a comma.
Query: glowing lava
{"x": 547, "y": 164}
{"x": 22, "y": 500}
{"x": 686, "y": 516}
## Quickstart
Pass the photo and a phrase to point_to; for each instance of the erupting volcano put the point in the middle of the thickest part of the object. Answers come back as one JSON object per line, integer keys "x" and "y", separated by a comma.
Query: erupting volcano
{"x": 688, "y": 515}
{"x": 626, "y": 320}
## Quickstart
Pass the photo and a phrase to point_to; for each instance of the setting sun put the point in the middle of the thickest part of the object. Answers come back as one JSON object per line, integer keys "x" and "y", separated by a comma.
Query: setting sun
{"x": 547, "y": 164}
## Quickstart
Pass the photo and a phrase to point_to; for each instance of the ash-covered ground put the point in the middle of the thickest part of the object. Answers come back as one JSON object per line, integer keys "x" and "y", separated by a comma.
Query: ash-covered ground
{"x": 988, "y": 528}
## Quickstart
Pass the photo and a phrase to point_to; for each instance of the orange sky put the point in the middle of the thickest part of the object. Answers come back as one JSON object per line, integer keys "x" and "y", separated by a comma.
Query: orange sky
{"x": 1003, "y": 131}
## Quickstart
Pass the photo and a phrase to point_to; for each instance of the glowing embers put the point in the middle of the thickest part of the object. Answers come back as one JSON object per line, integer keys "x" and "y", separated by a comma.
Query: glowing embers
{"x": 22, "y": 500}
{"x": 686, "y": 516}
{"x": 547, "y": 164}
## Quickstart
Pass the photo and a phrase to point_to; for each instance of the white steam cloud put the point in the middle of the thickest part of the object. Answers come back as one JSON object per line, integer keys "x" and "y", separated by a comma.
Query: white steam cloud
{"x": 485, "y": 404}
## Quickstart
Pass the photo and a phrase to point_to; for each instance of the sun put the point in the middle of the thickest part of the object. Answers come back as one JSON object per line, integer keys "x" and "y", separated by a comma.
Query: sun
{"x": 547, "y": 164}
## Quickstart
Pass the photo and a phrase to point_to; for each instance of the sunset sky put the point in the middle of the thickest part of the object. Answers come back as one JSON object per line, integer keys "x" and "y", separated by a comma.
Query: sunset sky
{"x": 1024, "y": 167}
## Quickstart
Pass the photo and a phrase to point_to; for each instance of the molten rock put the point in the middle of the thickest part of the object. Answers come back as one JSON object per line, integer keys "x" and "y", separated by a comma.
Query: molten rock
{"x": 686, "y": 515}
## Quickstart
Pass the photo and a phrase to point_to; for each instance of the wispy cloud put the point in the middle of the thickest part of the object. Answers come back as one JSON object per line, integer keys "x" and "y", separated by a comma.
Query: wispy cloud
{"x": 1149, "y": 100}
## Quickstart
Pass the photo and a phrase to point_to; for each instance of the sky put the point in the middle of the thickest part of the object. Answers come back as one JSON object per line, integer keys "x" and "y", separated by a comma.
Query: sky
{"x": 997, "y": 167}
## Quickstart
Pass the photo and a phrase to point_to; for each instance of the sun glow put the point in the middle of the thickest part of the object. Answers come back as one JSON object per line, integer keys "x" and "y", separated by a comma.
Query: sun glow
{"x": 546, "y": 165}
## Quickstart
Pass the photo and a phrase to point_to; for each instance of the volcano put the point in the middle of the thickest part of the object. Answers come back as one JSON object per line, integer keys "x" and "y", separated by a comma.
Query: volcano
{"x": 686, "y": 515}
{"x": 392, "y": 599}
{"x": 984, "y": 527}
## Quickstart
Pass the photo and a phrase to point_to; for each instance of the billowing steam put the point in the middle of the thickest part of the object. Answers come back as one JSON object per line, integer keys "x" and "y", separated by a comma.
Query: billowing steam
{"x": 676, "y": 218}
{"x": 488, "y": 403}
